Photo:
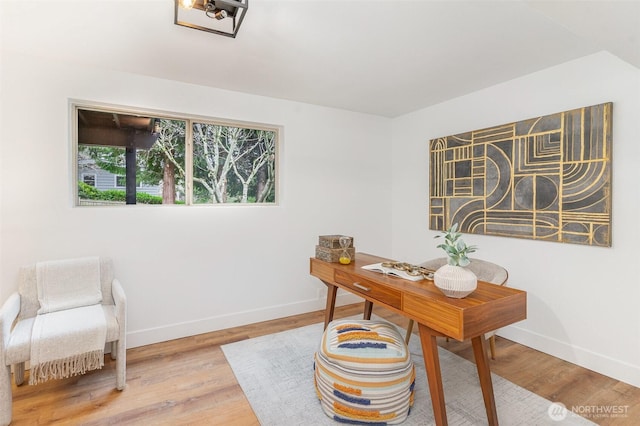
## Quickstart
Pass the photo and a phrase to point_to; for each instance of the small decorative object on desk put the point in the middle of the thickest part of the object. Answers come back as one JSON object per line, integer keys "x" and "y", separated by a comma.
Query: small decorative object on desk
{"x": 345, "y": 257}
{"x": 333, "y": 241}
{"x": 453, "y": 279}
{"x": 335, "y": 248}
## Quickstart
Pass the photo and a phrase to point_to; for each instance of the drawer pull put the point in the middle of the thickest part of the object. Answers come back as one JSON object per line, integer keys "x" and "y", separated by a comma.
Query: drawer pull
{"x": 361, "y": 287}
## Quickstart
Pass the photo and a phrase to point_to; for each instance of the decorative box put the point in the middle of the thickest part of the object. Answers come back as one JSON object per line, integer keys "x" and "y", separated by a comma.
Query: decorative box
{"x": 332, "y": 254}
{"x": 333, "y": 241}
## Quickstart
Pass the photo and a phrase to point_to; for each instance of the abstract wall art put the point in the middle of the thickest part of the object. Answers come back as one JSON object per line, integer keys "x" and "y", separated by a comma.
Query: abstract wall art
{"x": 546, "y": 178}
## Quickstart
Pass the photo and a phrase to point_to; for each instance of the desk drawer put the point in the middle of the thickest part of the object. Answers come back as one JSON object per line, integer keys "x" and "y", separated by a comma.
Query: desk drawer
{"x": 368, "y": 289}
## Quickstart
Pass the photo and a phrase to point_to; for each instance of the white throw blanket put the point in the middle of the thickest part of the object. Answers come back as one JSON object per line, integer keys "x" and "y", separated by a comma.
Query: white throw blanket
{"x": 70, "y": 329}
{"x": 65, "y": 284}
{"x": 67, "y": 343}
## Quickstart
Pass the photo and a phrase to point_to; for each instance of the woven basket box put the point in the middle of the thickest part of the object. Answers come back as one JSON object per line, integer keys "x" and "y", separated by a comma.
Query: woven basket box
{"x": 332, "y": 255}
{"x": 333, "y": 241}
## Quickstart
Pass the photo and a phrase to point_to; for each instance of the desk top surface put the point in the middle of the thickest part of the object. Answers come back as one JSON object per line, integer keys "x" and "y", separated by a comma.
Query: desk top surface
{"x": 489, "y": 307}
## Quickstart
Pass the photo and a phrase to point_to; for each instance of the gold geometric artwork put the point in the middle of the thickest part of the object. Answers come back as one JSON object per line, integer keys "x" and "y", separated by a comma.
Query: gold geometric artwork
{"x": 545, "y": 178}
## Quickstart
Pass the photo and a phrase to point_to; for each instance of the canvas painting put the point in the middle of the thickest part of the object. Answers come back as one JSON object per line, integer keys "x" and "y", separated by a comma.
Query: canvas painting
{"x": 545, "y": 178}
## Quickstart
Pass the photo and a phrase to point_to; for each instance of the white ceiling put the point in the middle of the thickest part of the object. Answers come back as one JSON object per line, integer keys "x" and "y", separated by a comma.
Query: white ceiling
{"x": 380, "y": 57}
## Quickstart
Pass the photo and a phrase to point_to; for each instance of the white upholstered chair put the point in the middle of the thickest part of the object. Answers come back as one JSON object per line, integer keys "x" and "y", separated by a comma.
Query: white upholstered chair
{"x": 18, "y": 314}
{"x": 485, "y": 271}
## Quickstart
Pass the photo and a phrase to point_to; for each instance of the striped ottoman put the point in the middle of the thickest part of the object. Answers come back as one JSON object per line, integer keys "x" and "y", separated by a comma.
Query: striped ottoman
{"x": 364, "y": 373}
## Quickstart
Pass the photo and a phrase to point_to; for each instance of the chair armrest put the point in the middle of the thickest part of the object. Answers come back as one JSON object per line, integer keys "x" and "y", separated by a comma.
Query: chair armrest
{"x": 120, "y": 300}
{"x": 8, "y": 314}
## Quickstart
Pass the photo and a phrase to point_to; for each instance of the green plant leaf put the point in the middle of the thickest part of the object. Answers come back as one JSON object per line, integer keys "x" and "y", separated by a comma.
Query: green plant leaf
{"x": 455, "y": 247}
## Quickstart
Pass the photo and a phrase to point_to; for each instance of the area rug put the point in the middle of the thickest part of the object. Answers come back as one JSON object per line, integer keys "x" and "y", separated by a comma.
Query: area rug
{"x": 276, "y": 375}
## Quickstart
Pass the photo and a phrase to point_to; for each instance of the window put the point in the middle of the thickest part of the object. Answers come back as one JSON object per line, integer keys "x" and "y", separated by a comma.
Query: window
{"x": 233, "y": 164}
{"x": 147, "y": 158}
{"x": 89, "y": 179}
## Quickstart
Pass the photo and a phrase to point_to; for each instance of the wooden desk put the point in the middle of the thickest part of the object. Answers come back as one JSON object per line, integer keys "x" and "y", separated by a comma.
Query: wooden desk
{"x": 488, "y": 308}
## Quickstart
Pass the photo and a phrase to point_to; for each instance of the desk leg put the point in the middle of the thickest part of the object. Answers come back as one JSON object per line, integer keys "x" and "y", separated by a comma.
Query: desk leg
{"x": 331, "y": 303}
{"x": 432, "y": 365}
{"x": 484, "y": 373}
{"x": 368, "y": 308}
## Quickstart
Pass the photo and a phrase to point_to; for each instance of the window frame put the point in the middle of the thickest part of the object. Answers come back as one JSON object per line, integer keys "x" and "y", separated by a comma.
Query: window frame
{"x": 115, "y": 183}
{"x": 189, "y": 119}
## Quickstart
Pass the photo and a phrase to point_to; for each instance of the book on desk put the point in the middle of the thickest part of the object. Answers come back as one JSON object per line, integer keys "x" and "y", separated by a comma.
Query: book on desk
{"x": 377, "y": 267}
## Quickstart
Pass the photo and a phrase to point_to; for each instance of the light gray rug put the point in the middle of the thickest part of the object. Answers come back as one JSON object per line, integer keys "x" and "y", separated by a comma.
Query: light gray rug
{"x": 276, "y": 374}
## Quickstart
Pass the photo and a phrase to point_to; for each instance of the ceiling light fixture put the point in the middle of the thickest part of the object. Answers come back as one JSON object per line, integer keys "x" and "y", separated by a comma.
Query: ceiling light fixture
{"x": 221, "y": 17}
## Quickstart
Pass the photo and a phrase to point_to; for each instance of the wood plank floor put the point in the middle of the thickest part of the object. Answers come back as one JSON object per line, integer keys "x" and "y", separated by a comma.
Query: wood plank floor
{"x": 188, "y": 382}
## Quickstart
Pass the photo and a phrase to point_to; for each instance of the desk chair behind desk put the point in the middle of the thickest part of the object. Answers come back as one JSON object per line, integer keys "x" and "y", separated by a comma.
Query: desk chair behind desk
{"x": 485, "y": 271}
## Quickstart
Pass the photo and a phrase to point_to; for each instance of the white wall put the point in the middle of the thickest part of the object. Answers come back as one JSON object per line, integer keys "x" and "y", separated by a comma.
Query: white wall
{"x": 188, "y": 270}
{"x": 192, "y": 270}
{"x": 583, "y": 302}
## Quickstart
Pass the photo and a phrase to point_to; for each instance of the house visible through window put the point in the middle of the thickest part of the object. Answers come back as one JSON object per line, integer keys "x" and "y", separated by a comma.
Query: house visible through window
{"x": 126, "y": 157}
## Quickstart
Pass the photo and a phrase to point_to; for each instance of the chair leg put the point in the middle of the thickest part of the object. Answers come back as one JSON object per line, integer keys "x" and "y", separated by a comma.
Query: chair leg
{"x": 18, "y": 373}
{"x": 492, "y": 346}
{"x": 121, "y": 365}
{"x": 114, "y": 348}
{"x": 5, "y": 396}
{"x": 368, "y": 309}
{"x": 409, "y": 331}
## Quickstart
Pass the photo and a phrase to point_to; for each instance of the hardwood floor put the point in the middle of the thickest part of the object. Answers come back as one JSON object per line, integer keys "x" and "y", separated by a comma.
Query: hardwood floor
{"x": 188, "y": 382}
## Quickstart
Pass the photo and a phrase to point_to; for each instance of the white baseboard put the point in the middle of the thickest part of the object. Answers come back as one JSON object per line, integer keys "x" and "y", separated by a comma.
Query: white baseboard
{"x": 611, "y": 367}
{"x": 205, "y": 325}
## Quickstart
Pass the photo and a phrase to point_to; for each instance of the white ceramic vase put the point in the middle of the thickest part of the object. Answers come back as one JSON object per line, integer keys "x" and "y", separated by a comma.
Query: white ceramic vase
{"x": 455, "y": 281}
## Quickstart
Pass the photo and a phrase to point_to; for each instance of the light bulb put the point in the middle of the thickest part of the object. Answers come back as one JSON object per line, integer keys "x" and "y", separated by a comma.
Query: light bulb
{"x": 187, "y": 4}
{"x": 220, "y": 14}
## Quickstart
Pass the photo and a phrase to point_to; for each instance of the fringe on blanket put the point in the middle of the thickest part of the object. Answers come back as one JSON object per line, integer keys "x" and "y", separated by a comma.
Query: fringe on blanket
{"x": 66, "y": 367}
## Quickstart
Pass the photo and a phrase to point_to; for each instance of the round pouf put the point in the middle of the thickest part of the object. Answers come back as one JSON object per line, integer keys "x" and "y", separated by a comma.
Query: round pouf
{"x": 364, "y": 373}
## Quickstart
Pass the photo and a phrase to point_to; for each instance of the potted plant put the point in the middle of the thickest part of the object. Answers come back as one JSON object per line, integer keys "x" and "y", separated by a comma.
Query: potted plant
{"x": 453, "y": 279}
